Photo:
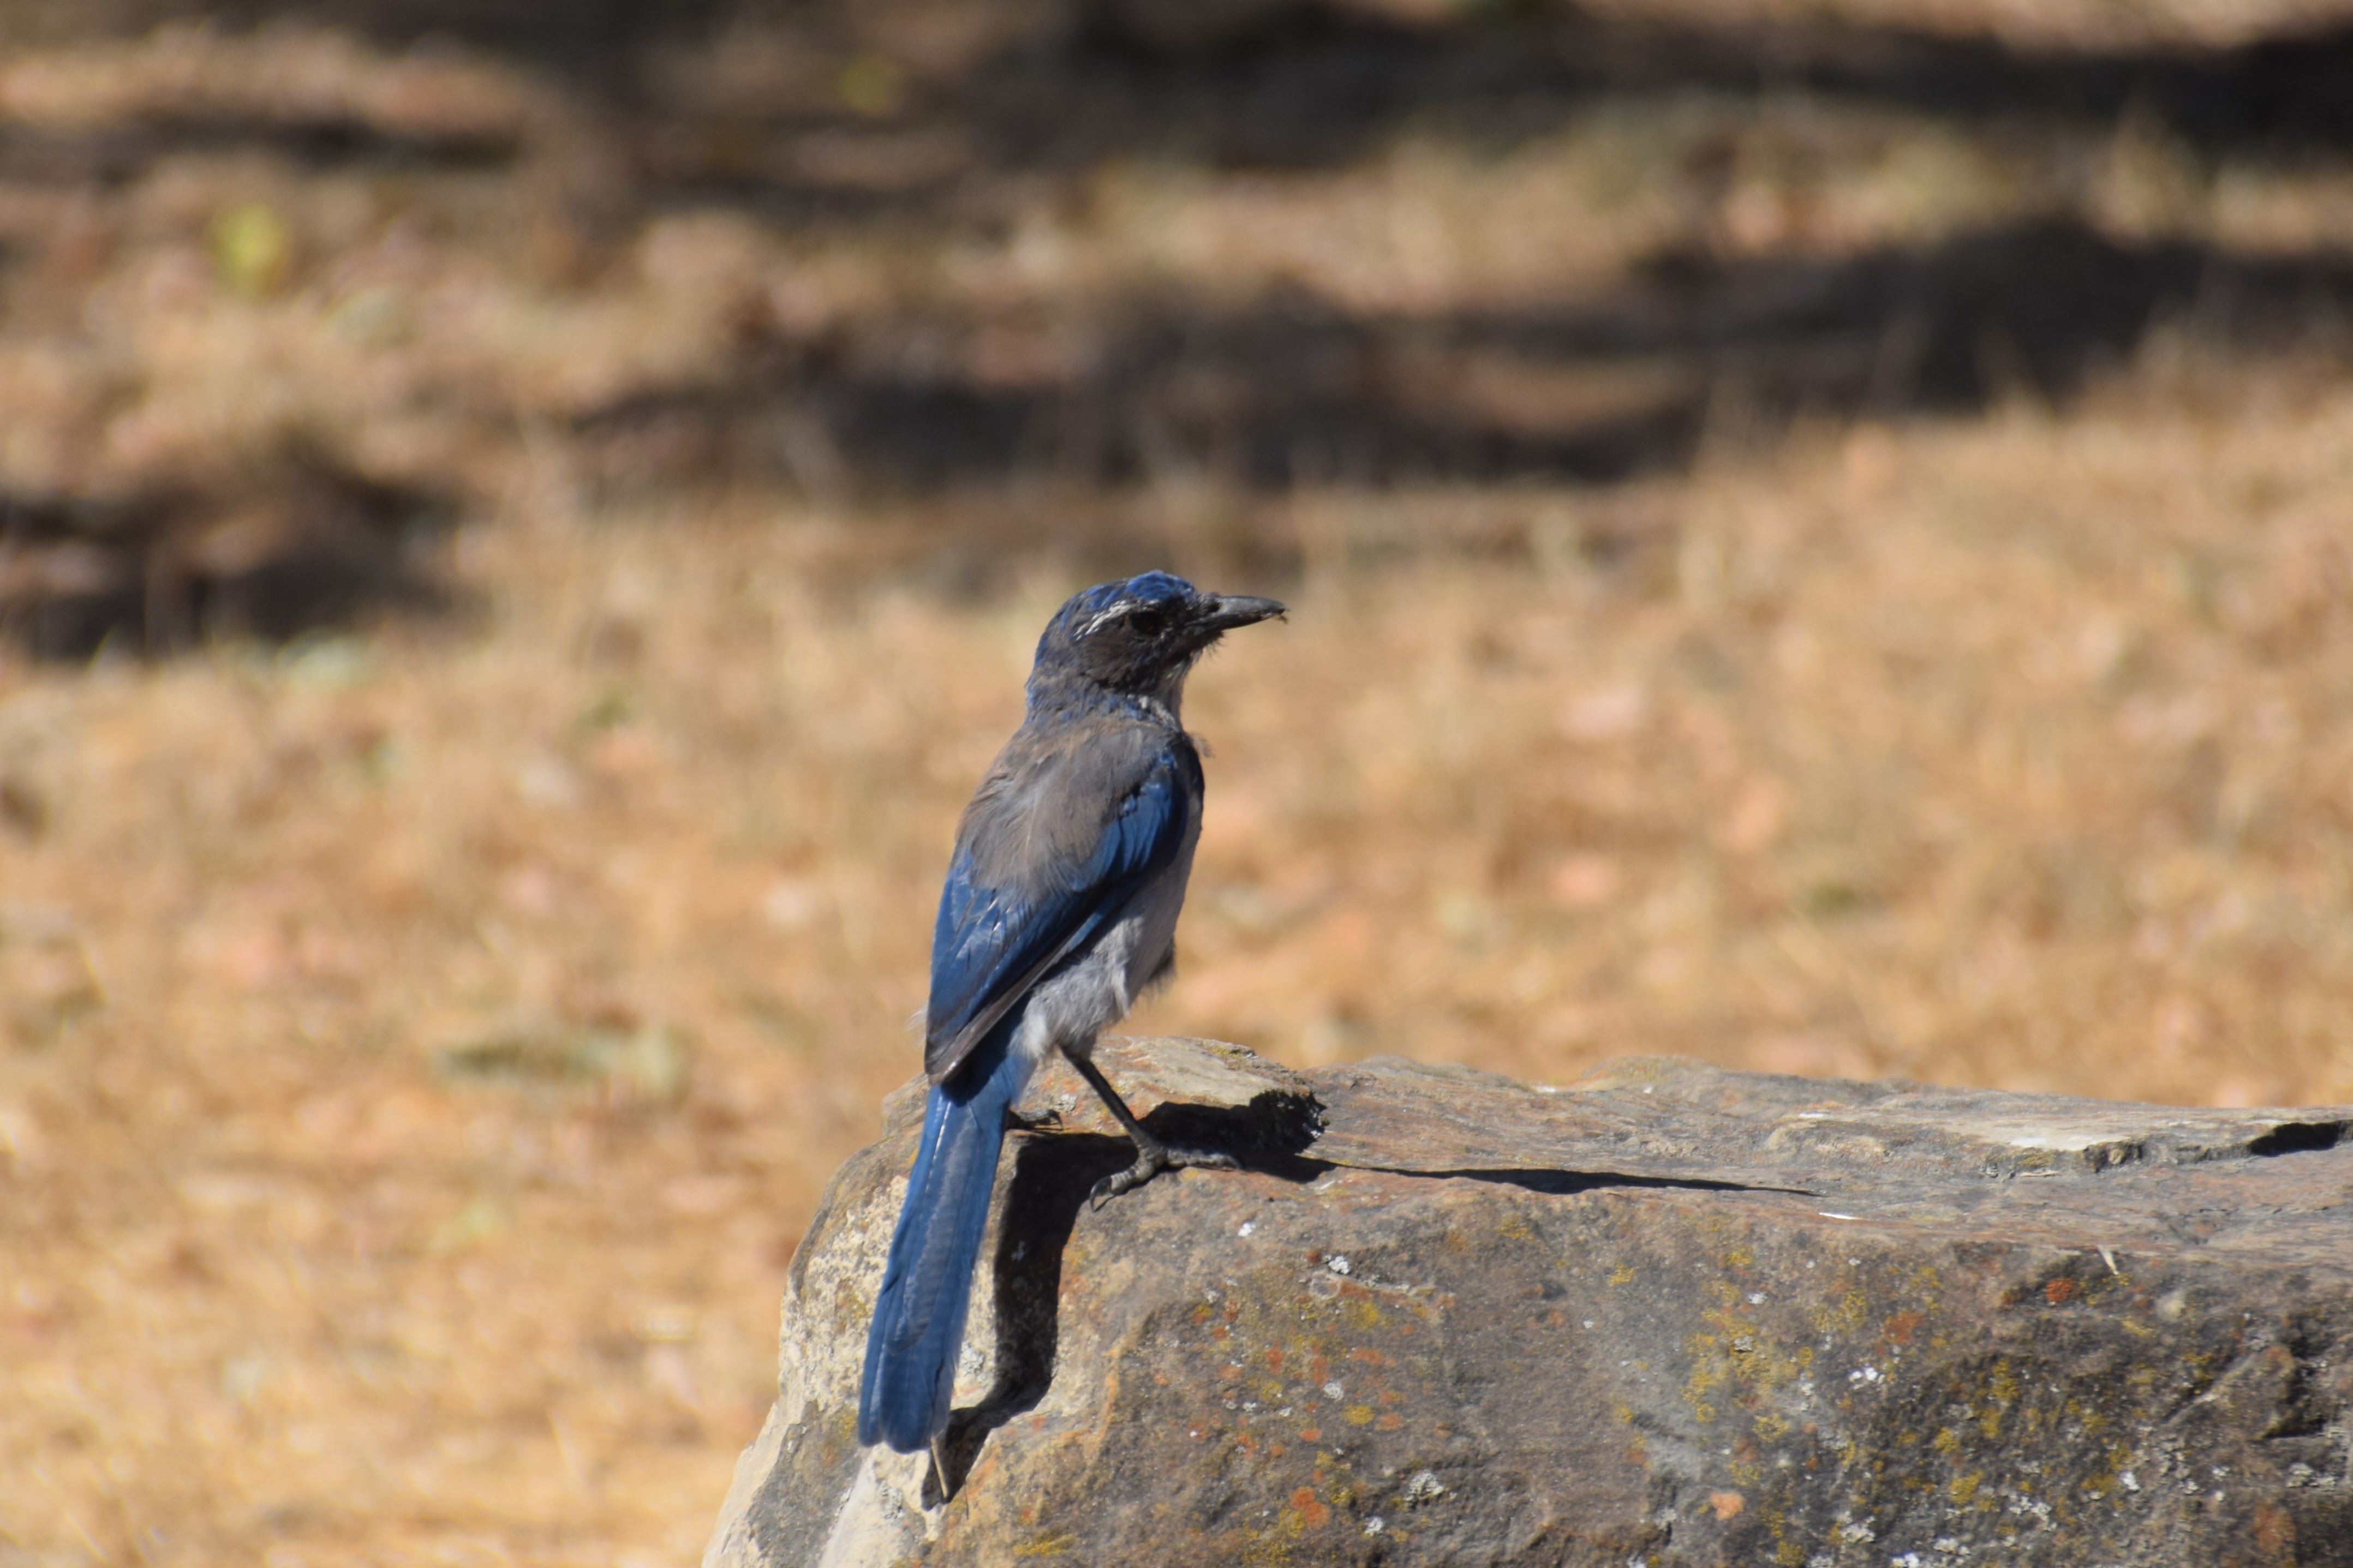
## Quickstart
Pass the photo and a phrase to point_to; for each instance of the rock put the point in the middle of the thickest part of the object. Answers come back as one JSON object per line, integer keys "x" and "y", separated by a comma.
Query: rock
{"x": 1669, "y": 1315}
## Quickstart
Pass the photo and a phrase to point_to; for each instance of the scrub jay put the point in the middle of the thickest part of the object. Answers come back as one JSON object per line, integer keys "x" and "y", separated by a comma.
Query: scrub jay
{"x": 1061, "y": 907}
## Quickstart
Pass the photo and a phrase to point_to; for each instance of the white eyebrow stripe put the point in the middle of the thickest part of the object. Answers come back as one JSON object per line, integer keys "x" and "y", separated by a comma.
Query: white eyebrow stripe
{"x": 1123, "y": 608}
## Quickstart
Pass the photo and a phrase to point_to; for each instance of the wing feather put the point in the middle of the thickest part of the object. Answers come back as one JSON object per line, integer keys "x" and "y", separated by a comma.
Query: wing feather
{"x": 1037, "y": 876}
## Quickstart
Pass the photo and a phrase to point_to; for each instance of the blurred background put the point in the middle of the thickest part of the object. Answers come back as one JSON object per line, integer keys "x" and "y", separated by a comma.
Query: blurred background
{"x": 1820, "y": 534}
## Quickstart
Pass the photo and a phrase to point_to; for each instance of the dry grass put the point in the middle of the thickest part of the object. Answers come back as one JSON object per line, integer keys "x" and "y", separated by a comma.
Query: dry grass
{"x": 2012, "y": 756}
{"x": 420, "y": 1047}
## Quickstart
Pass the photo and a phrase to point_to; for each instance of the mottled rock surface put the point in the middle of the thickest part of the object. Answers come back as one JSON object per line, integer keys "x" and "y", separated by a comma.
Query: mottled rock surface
{"x": 1669, "y": 1315}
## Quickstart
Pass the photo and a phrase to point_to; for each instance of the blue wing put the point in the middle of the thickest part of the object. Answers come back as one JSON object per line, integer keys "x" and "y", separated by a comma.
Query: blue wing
{"x": 1008, "y": 916}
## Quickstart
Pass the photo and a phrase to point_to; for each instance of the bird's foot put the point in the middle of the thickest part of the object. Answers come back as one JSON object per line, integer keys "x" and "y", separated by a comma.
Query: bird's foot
{"x": 1151, "y": 1159}
{"x": 1038, "y": 1121}
{"x": 936, "y": 1490}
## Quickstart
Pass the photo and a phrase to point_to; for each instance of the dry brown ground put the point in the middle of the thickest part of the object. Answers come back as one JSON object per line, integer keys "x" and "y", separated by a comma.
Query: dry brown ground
{"x": 421, "y": 1046}
{"x": 429, "y": 1046}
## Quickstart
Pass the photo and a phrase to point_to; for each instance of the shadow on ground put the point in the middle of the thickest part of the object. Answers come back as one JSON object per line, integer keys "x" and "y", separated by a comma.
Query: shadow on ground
{"x": 1299, "y": 83}
{"x": 1294, "y": 391}
{"x": 300, "y": 544}
{"x": 1288, "y": 390}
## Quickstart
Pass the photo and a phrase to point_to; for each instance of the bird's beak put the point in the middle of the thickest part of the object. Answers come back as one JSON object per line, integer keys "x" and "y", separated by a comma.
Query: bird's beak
{"x": 1227, "y": 611}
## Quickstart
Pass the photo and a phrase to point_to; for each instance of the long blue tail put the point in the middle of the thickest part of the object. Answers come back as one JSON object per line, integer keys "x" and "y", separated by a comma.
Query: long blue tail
{"x": 918, "y": 1328}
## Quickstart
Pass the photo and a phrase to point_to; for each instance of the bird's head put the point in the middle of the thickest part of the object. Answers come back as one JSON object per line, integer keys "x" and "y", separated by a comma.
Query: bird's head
{"x": 1139, "y": 636}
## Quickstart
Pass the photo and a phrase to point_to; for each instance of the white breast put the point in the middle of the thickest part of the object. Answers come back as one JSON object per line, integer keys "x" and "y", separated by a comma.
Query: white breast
{"x": 1076, "y": 1002}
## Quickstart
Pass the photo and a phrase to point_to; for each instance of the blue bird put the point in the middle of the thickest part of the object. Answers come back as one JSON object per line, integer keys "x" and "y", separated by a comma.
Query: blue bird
{"x": 1060, "y": 908}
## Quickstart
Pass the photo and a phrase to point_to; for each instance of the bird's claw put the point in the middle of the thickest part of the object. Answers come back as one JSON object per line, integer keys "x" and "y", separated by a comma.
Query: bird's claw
{"x": 1150, "y": 1162}
{"x": 1017, "y": 1121}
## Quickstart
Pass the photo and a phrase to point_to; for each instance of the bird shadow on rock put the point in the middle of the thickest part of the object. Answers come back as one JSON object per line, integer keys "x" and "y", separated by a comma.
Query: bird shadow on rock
{"x": 1053, "y": 1172}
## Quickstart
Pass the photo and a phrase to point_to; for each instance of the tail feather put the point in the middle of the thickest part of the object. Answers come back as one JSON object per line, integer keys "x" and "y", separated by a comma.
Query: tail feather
{"x": 919, "y": 1314}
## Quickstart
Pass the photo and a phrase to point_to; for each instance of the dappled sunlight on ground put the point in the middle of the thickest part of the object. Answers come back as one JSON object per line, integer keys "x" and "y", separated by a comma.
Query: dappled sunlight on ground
{"x": 426, "y": 1047}
{"x": 514, "y": 553}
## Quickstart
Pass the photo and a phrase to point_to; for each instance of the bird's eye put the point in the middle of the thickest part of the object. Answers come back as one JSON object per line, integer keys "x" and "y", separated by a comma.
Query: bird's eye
{"x": 1148, "y": 623}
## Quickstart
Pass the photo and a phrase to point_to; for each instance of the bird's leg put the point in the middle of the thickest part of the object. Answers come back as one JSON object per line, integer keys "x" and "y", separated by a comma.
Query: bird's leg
{"x": 1152, "y": 1156}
